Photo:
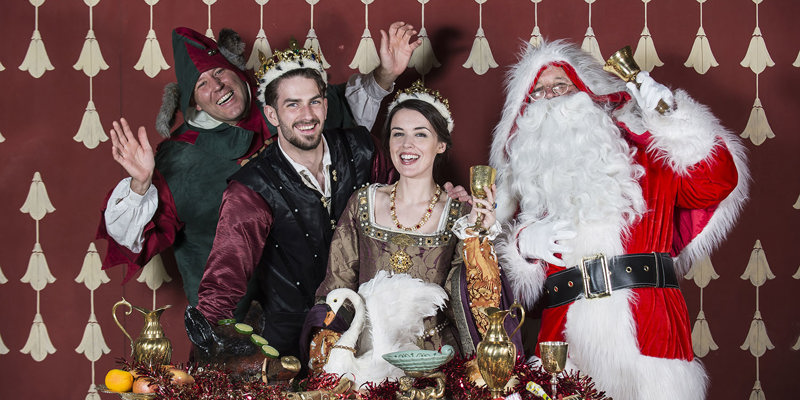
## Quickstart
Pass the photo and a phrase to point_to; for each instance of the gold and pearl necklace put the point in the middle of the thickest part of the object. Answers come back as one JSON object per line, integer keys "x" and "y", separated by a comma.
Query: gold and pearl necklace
{"x": 431, "y": 205}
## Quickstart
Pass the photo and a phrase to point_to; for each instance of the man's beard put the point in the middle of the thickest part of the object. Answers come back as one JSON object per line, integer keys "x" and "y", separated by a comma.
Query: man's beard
{"x": 569, "y": 162}
{"x": 301, "y": 142}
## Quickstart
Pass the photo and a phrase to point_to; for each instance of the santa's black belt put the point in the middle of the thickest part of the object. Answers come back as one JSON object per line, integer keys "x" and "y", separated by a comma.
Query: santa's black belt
{"x": 598, "y": 276}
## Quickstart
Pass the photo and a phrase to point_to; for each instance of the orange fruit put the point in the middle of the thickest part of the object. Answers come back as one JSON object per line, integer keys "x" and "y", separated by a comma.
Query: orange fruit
{"x": 118, "y": 380}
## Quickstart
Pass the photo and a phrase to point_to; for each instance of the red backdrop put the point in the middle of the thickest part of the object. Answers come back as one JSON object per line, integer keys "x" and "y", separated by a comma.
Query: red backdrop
{"x": 39, "y": 117}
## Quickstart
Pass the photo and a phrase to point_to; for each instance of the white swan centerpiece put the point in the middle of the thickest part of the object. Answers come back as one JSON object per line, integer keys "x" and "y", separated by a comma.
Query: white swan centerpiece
{"x": 389, "y": 314}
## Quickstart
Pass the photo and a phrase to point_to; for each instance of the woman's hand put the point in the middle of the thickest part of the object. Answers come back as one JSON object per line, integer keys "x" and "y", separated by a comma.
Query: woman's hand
{"x": 485, "y": 207}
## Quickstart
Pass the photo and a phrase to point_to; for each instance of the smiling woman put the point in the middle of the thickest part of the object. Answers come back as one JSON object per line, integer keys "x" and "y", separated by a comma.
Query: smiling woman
{"x": 406, "y": 229}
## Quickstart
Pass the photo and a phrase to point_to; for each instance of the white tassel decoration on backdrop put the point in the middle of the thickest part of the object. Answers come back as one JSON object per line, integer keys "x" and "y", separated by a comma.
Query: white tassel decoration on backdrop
{"x": 757, "y": 129}
{"x": 423, "y": 59}
{"x": 311, "y": 38}
{"x": 366, "y": 57}
{"x": 480, "y": 57}
{"x": 91, "y": 60}
{"x": 151, "y": 60}
{"x": 701, "y": 58}
{"x": 702, "y": 272}
{"x": 91, "y": 132}
{"x": 261, "y": 44}
{"x": 93, "y": 344}
{"x": 646, "y": 55}
{"x": 2, "y": 68}
{"x": 536, "y": 34}
{"x": 757, "y": 341}
{"x": 2, "y": 139}
{"x": 38, "y": 344}
{"x": 757, "y": 393}
{"x": 209, "y": 31}
{"x": 757, "y": 57}
{"x": 37, "y": 203}
{"x": 796, "y": 62}
{"x": 154, "y": 274}
{"x": 92, "y": 274}
{"x": 590, "y": 44}
{"x": 757, "y": 271}
{"x": 38, "y": 274}
{"x": 92, "y": 393}
{"x": 36, "y": 61}
{"x": 702, "y": 340}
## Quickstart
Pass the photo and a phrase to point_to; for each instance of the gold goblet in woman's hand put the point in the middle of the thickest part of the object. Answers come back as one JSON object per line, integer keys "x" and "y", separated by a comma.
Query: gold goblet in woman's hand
{"x": 481, "y": 179}
{"x": 554, "y": 359}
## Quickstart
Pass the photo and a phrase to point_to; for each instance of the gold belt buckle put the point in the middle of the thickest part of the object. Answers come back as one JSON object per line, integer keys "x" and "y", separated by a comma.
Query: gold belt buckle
{"x": 587, "y": 279}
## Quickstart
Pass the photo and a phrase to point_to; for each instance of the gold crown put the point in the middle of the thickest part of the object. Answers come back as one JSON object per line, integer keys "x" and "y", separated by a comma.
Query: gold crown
{"x": 418, "y": 91}
{"x": 284, "y": 61}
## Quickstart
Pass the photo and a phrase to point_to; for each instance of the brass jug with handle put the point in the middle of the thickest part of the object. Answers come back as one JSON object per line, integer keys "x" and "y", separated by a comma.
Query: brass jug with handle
{"x": 496, "y": 353}
{"x": 152, "y": 347}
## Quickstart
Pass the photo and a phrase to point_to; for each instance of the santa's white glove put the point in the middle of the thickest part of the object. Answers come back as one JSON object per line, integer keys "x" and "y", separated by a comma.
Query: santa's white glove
{"x": 541, "y": 240}
{"x": 650, "y": 92}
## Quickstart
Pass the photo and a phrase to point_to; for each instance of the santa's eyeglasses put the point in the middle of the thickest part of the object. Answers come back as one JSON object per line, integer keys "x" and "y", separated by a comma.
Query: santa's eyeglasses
{"x": 557, "y": 90}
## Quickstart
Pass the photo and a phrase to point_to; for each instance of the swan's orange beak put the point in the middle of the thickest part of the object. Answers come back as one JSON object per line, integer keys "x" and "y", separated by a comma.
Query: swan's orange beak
{"x": 329, "y": 318}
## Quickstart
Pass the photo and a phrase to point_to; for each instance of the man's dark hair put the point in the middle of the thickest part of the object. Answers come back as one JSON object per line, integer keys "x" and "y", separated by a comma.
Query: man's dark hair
{"x": 430, "y": 113}
{"x": 271, "y": 90}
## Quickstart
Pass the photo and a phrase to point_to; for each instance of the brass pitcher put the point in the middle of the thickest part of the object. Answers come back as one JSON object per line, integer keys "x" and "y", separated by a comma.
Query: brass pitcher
{"x": 496, "y": 353}
{"x": 151, "y": 347}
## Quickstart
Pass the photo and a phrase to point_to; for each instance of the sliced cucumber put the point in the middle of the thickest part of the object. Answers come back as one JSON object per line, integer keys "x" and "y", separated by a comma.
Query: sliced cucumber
{"x": 243, "y": 328}
{"x": 227, "y": 321}
{"x": 258, "y": 340}
{"x": 270, "y": 351}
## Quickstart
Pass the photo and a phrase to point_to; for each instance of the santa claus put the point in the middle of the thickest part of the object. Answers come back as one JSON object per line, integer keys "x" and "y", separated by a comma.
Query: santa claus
{"x": 606, "y": 202}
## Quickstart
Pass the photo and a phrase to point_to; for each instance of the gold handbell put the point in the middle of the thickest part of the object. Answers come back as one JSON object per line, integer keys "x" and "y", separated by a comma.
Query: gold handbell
{"x": 624, "y": 66}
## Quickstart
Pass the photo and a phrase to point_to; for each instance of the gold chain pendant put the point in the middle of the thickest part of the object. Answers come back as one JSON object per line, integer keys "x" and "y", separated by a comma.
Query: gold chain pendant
{"x": 400, "y": 260}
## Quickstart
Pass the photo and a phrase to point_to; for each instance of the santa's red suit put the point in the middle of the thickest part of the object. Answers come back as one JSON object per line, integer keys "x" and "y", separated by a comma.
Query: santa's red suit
{"x": 592, "y": 173}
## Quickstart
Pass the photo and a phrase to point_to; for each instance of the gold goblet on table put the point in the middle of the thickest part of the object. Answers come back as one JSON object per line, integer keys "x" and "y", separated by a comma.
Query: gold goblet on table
{"x": 481, "y": 179}
{"x": 554, "y": 359}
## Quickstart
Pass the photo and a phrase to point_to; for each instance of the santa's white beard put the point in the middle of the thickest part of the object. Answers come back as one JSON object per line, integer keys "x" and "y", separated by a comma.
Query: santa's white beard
{"x": 569, "y": 162}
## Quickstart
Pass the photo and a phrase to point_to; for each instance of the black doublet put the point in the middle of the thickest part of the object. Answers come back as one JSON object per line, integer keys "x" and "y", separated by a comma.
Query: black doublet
{"x": 295, "y": 256}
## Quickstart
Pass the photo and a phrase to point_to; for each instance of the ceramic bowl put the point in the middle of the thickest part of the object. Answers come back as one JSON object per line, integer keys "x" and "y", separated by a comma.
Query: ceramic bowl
{"x": 420, "y": 360}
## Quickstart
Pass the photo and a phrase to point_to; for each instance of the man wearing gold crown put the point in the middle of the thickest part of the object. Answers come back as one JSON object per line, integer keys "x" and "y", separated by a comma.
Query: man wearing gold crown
{"x": 597, "y": 187}
{"x": 173, "y": 198}
{"x": 279, "y": 211}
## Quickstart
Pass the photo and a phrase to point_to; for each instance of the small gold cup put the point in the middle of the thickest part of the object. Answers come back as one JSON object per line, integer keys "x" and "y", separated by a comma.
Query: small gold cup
{"x": 481, "y": 179}
{"x": 554, "y": 359}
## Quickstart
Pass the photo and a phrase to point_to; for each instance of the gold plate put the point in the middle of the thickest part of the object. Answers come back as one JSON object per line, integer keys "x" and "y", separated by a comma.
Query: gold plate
{"x": 127, "y": 395}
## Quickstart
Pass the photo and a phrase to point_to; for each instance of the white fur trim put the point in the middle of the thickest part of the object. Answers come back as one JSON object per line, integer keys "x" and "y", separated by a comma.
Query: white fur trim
{"x": 725, "y": 215}
{"x": 526, "y": 279}
{"x": 601, "y": 333}
{"x": 684, "y": 136}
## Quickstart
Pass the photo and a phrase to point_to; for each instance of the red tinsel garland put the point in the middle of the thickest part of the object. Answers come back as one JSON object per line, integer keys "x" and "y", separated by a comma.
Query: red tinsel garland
{"x": 458, "y": 386}
{"x": 213, "y": 383}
